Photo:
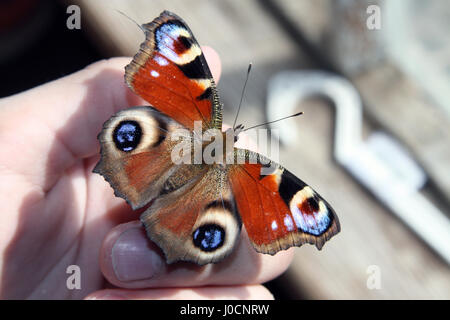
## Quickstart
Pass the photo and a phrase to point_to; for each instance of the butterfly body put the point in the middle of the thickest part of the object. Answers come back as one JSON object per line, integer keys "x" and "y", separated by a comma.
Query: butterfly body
{"x": 197, "y": 195}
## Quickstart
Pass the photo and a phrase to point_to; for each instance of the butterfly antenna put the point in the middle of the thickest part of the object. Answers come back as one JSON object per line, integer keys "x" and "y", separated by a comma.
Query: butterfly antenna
{"x": 242, "y": 94}
{"x": 262, "y": 124}
{"x": 129, "y": 18}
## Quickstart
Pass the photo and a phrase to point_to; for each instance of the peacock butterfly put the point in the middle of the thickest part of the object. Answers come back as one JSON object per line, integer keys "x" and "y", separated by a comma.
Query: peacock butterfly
{"x": 195, "y": 209}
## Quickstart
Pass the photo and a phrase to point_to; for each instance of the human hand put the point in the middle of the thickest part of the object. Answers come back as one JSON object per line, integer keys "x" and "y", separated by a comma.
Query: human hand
{"x": 57, "y": 213}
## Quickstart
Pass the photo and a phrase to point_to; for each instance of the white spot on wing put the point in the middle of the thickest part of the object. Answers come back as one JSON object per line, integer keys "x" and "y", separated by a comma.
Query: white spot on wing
{"x": 154, "y": 73}
{"x": 274, "y": 225}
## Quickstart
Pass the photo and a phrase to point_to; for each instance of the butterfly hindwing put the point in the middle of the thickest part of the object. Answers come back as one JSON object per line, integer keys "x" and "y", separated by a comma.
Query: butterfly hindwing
{"x": 277, "y": 209}
{"x": 170, "y": 72}
{"x": 197, "y": 222}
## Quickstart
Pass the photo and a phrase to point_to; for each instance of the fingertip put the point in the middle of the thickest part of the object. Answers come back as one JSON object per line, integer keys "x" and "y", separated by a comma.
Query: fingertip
{"x": 128, "y": 256}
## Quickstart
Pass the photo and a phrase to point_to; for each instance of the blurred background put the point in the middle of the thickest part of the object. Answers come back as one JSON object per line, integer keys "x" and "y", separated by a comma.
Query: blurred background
{"x": 373, "y": 79}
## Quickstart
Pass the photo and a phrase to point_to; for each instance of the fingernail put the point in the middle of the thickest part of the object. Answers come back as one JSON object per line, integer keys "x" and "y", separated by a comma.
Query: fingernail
{"x": 133, "y": 258}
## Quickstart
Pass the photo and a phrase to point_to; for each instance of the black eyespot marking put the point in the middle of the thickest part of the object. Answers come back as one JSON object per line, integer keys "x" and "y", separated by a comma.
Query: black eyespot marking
{"x": 127, "y": 135}
{"x": 209, "y": 237}
{"x": 182, "y": 44}
{"x": 313, "y": 203}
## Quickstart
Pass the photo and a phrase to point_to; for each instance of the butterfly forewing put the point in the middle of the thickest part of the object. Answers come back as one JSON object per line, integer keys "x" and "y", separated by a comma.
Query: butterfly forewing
{"x": 171, "y": 73}
{"x": 277, "y": 209}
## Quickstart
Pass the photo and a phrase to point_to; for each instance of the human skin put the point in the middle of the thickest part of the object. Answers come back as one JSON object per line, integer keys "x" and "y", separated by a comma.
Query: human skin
{"x": 57, "y": 213}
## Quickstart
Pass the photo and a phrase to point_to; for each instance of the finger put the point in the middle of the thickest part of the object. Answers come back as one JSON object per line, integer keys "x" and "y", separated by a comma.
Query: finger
{"x": 252, "y": 292}
{"x": 128, "y": 259}
{"x": 62, "y": 119}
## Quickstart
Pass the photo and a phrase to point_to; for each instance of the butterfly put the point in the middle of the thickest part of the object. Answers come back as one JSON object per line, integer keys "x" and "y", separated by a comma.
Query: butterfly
{"x": 194, "y": 211}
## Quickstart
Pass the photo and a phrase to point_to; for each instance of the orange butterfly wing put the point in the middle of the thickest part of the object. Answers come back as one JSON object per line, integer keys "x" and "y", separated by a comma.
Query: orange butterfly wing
{"x": 278, "y": 209}
{"x": 171, "y": 73}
